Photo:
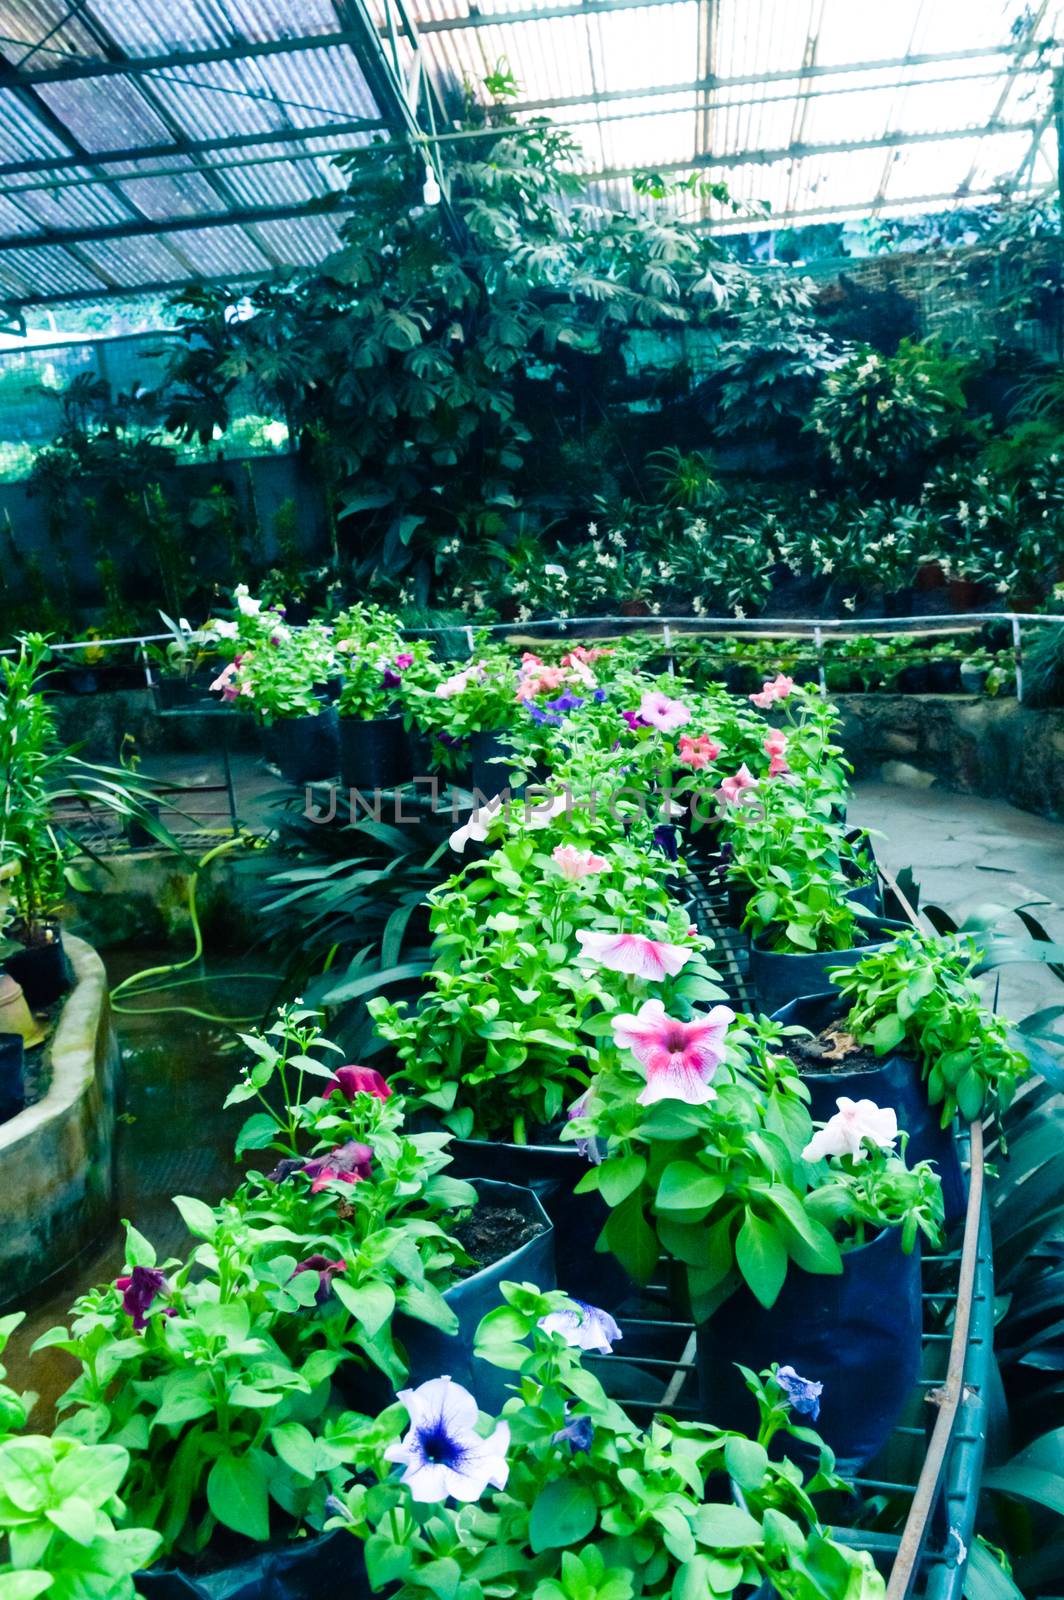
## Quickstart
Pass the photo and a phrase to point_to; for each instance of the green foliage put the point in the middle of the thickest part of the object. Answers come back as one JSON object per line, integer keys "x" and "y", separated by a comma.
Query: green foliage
{"x": 660, "y": 1507}
{"x": 919, "y": 992}
{"x": 880, "y": 413}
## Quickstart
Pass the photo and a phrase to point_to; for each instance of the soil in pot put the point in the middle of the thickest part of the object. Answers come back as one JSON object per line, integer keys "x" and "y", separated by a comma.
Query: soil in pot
{"x": 832, "y": 1063}
{"x": 858, "y": 1333}
{"x": 513, "y": 1240}
{"x": 552, "y": 1171}
{"x": 492, "y": 1232}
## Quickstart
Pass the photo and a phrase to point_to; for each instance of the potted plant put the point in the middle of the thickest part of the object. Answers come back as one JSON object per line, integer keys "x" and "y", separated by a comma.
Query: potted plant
{"x": 858, "y": 1332}
{"x": 476, "y": 704}
{"x": 532, "y": 947}
{"x": 375, "y": 752}
{"x": 181, "y": 679}
{"x": 282, "y": 681}
{"x": 715, "y": 1164}
{"x": 564, "y": 1495}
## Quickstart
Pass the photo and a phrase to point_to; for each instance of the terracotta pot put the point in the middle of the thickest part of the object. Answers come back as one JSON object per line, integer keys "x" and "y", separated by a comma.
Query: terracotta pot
{"x": 15, "y": 1015}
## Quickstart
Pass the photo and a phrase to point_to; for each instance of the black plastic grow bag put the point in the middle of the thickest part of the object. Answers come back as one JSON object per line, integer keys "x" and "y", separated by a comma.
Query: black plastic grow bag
{"x": 858, "y": 1333}
{"x": 779, "y": 976}
{"x": 12, "y": 1085}
{"x": 552, "y": 1171}
{"x": 304, "y": 1569}
{"x": 306, "y": 749}
{"x": 432, "y": 1353}
{"x": 487, "y": 774}
{"x": 374, "y": 753}
{"x": 42, "y": 971}
{"x": 895, "y": 1082}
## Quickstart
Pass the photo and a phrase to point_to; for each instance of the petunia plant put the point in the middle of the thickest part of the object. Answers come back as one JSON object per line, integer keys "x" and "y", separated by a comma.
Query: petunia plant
{"x": 218, "y": 1390}
{"x": 534, "y": 949}
{"x": 919, "y": 993}
{"x": 564, "y": 1498}
{"x": 701, "y": 1133}
{"x": 861, "y": 1183}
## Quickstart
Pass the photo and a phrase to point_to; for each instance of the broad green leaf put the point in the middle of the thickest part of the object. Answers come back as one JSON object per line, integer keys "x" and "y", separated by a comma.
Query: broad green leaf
{"x": 563, "y": 1515}
{"x": 237, "y": 1494}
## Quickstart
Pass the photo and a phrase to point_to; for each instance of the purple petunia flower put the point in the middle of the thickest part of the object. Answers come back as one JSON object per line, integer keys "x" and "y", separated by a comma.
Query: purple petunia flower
{"x": 598, "y": 696}
{"x": 802, "y": 1393}
{"x": 634, "y": 720}
{"x": 326, "y": 1270}
{"x": 583, "y": 1326}
{"x": 390, "y": 679}
{"x": 566, "y": 702}
{"x": 139, "y": 1290}
{"x": 550, "y": 719}
{"x": 350, "y": 1162}
{"x": 665, "y": 839}
{"x": 578, "y": 1434}
{"x": 451, "y": 741}
{"x": 285, "y": 1168}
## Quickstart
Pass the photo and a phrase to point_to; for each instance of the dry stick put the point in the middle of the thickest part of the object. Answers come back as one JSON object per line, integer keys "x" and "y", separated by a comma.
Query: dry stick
{"x": 949, "y": 1396}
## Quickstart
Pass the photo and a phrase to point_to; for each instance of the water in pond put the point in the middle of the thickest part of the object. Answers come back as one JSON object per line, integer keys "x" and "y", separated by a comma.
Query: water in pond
{"x": 173, "y": 1138}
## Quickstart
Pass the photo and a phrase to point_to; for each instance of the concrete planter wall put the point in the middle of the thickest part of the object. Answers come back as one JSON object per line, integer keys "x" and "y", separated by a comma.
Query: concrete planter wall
{"x": 56, "y": 1157}
{"x": 994, "y": 748}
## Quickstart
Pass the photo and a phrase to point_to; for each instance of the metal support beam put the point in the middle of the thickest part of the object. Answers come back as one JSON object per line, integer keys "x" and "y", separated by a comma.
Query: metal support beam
{"x": 72, "y": 67}
{"x": 47, "y": 167}
{"x": 150, "y": 227}
{"x": 855, "y": 208}
{"x": 802, "y": 152}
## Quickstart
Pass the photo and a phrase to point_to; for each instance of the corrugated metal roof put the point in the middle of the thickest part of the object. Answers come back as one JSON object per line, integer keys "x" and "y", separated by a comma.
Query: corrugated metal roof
{"x": 143, "y": 141}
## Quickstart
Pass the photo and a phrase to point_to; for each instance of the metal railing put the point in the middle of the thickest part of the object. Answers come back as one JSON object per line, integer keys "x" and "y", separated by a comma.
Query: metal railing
{"x": 670, "y": 629}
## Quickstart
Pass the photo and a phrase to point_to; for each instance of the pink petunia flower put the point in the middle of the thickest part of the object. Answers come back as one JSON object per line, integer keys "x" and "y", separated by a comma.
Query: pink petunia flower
{"x": 777, "y": 765}
{"x": 663, "y": 713}
{"x": 773, "y": 689}
{"x": 734, "y": 789}
{"x": 699, "y": 751}
{"x": 633, "y": 953}
{"x": 775, "y": 742}
{"x": 404, "y": 661}
{"x": 679, "y": 1058}
{"x": 573, "y": 863}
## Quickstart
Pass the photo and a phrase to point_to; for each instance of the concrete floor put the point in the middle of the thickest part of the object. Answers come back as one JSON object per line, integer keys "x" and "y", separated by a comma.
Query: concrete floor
{"x": 966, "y": 852}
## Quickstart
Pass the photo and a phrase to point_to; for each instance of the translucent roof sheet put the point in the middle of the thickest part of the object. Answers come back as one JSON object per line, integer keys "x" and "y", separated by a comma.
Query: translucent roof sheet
{"x": 144, "y": 142}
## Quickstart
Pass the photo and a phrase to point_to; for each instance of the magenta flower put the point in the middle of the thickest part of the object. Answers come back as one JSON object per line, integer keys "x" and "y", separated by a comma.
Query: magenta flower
{"x": 404, "y": 661}
{"x": 663, "y": 713}
{"x": 634, "y": 720}
{"x": 573, "y": 863}
{"x": 327, "y": 1270}
{"x": 733, "y": 789}
{"x": 139, "y": 1289}
{"x": 679, "y": 1058}
{"x": 358, "y": 1080}
{"x": 633, "y": 953}
{"x": 348, "y": 1163}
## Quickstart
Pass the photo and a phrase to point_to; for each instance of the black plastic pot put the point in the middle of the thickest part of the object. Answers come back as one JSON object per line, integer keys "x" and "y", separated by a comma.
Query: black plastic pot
{"x": 944, "y": 677}
{"x": 12, "y": 1086}
{"x": 779, "y": 976}
{"x": 431, "y": 1352}
{"x": 895, "y": 1082}
{"x": 552, "y": 1172}
{"x": 173, "y": 693}
{"x": 303, "y": 1569}
{"x": 306, "y": 749}
{"x": 374, "y": 754}
{"x": 137, "y": 833}
{"x": 913, "y": 680}
{"x": 42, "y": 971}
{"x": 486, "y": 774}
{"x": 858, "y": 1333}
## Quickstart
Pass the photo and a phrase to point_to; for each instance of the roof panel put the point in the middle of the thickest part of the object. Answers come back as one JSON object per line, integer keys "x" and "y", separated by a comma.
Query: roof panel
{"x": 104, "y": 113}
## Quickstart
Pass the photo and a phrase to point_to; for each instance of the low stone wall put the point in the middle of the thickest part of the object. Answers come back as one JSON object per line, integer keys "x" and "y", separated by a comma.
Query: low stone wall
{"x": 57, "y": 1157}
{"x": 994, "y": 748}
